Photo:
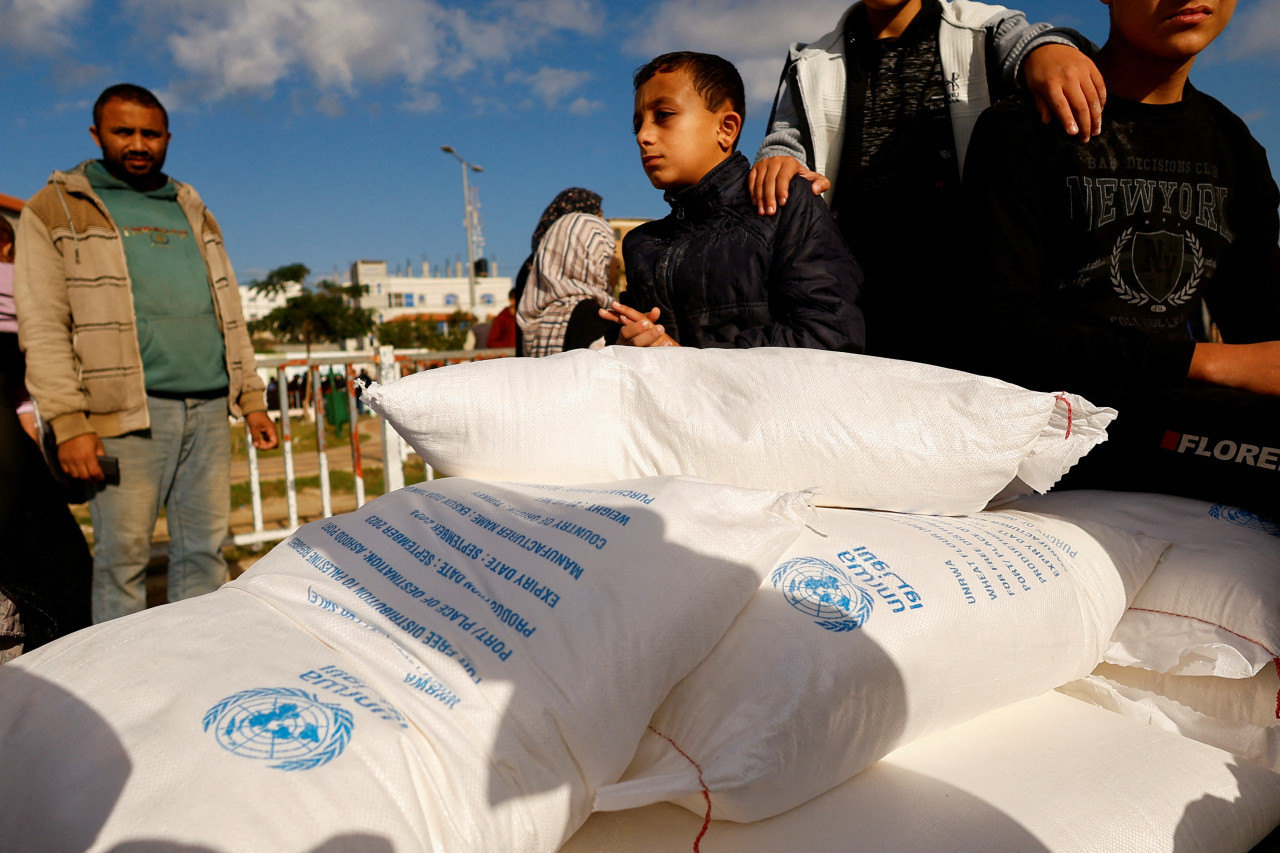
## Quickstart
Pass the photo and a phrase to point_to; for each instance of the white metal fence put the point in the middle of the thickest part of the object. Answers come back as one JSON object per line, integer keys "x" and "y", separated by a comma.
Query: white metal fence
{"x": 389, "y": 364}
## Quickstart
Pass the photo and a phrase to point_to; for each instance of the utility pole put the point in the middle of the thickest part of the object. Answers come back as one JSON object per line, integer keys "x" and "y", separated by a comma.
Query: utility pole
{"x": 468, "y": 217}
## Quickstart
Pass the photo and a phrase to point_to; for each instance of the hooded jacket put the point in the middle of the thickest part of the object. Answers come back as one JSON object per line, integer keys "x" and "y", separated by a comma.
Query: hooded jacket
{"x": 724, "y": 276}
{"x": 980, "y": 45}
{"x": 76, "y": 317}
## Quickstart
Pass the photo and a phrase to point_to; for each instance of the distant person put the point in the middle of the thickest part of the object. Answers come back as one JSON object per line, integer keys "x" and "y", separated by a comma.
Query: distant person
{"x": 1092, "y": 264}
{"x": 712, "y": 273}
{"x": 502, "y": 332}
{"x": 45, "y": 567}
{"x": 145, "y": 365}
{"x": 568, "y": 282}
{"x": 878, "y": 112}
{"x": 296, "y": 388}
{"x": 10, "y": 351}
{"x": 480, "y": 333}
{"x": 363, "y": 381}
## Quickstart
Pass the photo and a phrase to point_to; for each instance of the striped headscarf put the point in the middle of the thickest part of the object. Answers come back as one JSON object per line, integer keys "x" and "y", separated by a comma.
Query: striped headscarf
{"x": 571, "y": 264}
{"x": 571, "y": 200}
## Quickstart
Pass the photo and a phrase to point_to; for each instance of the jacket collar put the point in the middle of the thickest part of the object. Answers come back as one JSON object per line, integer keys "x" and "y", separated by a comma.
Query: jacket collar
{"x": 726, "y": 179}
{"x": 76, "y": 180}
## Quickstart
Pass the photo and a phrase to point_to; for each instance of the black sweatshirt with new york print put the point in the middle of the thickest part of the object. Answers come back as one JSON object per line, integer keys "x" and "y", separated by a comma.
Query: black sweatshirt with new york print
{"x": 1090, "y": 262}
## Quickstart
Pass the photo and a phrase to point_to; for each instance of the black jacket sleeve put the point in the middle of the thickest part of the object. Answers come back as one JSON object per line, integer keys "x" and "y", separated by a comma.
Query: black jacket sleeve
{"x": 813, "y": 281}
{"x": 1245, "y": 299}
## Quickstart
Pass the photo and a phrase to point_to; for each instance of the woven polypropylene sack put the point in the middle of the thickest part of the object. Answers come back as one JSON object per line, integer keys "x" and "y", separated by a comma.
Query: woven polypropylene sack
{"x": 1212, "y": 607}
{"x": 454, "y": 666}
{"x": 865, "y": 432}
{"x": 885, "y": 629}
{"x": 1046, "y": 774}
{"x": 1240, "y": 715}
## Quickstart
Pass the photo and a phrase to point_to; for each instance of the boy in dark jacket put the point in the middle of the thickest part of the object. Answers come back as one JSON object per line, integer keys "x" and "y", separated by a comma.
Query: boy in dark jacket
{"x": 713, "y": 271}
{"x": 1094, "y": 262}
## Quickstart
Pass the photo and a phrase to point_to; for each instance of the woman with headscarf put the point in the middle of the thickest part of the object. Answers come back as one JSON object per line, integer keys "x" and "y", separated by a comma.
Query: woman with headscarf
{"x": 568, "y": 277}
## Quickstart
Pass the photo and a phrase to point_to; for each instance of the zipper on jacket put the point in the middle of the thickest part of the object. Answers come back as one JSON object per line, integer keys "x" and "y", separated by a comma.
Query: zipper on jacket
{"x": 75, "y": 238}
{"x": 670, "y": 261}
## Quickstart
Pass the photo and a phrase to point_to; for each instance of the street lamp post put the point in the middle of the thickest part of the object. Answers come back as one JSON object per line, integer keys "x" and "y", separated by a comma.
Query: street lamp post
{"x": 468, "y": 215}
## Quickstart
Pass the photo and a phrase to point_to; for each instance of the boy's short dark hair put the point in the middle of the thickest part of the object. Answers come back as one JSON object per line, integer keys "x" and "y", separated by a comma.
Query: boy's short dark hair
{"x": 714, "y": 78}
{"x": 131, "y": 93}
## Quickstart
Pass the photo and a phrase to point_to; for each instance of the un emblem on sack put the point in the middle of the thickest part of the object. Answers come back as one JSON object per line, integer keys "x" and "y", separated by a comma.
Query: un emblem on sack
{"x": 823, "y": 592}
{"x": 280, "y": 724}
{"x": 1244, "y": 518}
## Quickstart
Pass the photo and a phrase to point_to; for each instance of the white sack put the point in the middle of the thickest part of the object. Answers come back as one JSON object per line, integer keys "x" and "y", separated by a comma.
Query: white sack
{"x": 867, "y": 432}
{"x": 1240, "y": 715}
{"x": 887, "y": 629}
{"x": 453, "y": 667}
{"x": 1212, "y": 607}
{"x": 1047, "y": 774}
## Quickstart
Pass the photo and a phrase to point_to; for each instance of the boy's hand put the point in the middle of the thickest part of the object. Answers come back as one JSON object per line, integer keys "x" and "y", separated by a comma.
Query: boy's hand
{"x": 1066, "y": 84}
{"x": 638, "y": 330}
{"x": 771, "y": 177}
{"x": 1249, "y": 367}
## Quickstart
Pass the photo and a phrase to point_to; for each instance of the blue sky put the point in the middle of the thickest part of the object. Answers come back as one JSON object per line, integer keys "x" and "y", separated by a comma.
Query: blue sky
{"x": 313, "y": 128}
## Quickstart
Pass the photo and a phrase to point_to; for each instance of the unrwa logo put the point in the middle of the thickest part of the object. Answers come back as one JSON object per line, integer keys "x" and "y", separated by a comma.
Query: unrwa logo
{"x": 1244, "y": 518}
{"x": 824, "y": 592}
{"x": 280, "y": 724}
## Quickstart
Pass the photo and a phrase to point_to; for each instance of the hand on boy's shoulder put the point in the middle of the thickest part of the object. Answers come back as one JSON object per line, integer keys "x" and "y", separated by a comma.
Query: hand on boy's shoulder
{"x": 1067, "y": 86}
{"x": 769, "y": 182}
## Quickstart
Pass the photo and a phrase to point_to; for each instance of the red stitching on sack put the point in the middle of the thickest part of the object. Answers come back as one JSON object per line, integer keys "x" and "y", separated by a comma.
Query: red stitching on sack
{"x": 706, "y": 792}
{"x": 1263, "y": 646}
{"x": 1277, "y": 663}
{"x": 1063, "y": 398}
{"x": 1260, "y": 645}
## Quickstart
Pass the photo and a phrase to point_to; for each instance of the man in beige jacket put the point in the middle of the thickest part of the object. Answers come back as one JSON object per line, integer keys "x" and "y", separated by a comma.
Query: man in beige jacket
{"x": 136, "y": 345}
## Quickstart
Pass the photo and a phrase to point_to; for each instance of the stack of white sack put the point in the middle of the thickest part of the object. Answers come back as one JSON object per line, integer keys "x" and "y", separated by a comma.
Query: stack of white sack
{"x": 875, "y": 631}
{"x": 1198, "y": 652}
{"x": 881, "y": 630}
{"x": 1046, "y": 774}
{"x": 864, "y": 432}
{"x": 465, "y": 665}
{"x": 455, "y": 667}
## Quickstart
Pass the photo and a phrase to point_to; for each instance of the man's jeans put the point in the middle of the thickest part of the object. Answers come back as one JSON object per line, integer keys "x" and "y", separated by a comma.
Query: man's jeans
{"x": 182, "y": 463}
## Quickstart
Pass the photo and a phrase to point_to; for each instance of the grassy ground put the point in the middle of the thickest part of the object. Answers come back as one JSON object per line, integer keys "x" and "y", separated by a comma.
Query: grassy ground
{"x": 340, "y": 482}
{"x": 303, "y": 433}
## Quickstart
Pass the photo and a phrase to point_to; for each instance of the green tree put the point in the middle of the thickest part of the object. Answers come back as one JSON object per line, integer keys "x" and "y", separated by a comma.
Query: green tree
{"x": 327, "y": 313}
{"x": 423, "y": 333}
{"x": 278, "y": 280}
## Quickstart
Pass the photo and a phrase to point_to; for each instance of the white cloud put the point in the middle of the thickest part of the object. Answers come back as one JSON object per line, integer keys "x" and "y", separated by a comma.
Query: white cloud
{"x": 422, "y": 102}
{"x": 585, "y": 106}
{"x": 1256, "y": 31}
{"x": 39, "y": 26}
{"x": 751, "y": 34}
{"x": 551, "y": 85}
{"x": 238, "y": 47}
{"x": 578, "y": 16}
{"x": 229, "y": 47}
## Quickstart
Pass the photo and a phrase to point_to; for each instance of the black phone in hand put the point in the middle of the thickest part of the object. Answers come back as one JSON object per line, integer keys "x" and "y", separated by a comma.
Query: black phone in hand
{"x": 110, "y": 466}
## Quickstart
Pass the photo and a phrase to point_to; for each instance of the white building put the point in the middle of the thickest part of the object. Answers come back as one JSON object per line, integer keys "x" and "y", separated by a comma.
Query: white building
{"x": 257, "y": 305}
{"x": 394, "y": 296}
